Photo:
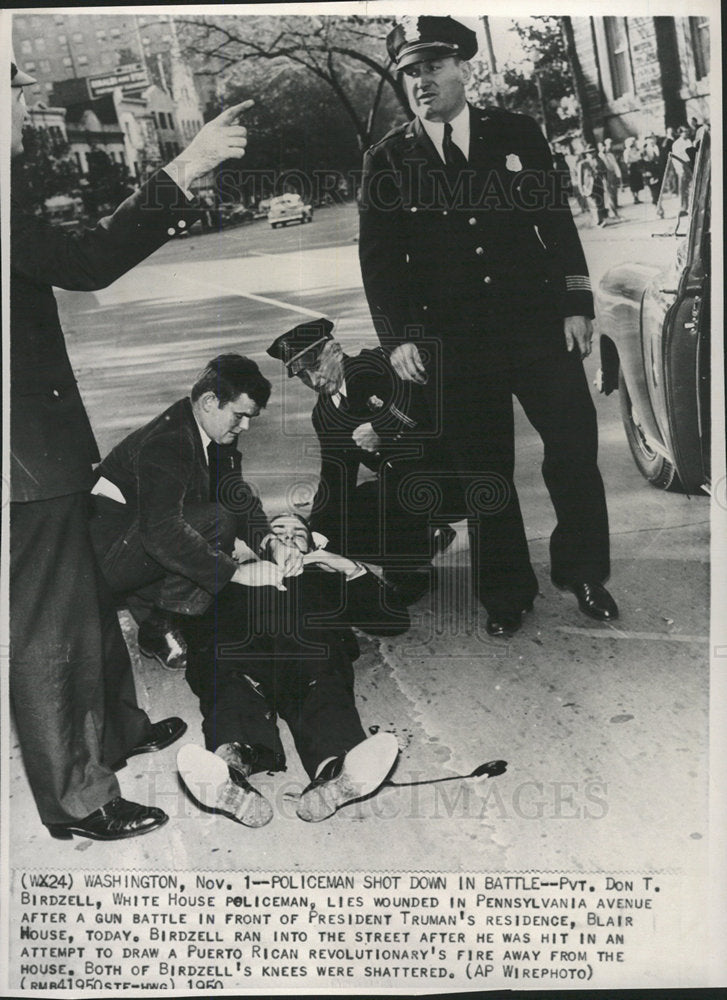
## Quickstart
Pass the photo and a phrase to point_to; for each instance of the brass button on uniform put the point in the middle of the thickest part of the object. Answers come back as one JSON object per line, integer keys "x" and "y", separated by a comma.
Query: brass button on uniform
{"x": 182, "y": 224}
{"x": 487, "y": 279}
{"x": 472, "y": 221}
{"x": 479, "y": 251}
{"x": 56, "y": 393}
{"x": 171, "y": 231}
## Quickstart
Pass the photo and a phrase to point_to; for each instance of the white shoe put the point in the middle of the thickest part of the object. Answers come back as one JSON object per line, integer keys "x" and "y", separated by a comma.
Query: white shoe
{"x": 218, "y": 786}
{"x": 358, "y": 774}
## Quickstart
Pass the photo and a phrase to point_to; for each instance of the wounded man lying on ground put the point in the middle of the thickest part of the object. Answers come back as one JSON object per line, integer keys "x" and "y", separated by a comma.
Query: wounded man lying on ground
{"x": 288, "y": 651}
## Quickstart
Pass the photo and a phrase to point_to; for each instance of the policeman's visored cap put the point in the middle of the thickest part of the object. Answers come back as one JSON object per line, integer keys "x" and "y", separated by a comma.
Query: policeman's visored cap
{"x": 415, "y": 39}
{"x": 18, "y": 78}
{"x": 295, "y": 347}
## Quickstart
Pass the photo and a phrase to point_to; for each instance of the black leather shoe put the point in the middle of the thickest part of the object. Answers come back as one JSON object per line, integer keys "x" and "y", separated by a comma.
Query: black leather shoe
{"x": 593, "y": 600}
{"x": 505, "y": 624}
{"x": 168, "y": 647}
{"x": 117, "y": 820}
{"x": 219, "y": 781}
{"x": 344, "y": 779}
{"x": 162, "y": 735}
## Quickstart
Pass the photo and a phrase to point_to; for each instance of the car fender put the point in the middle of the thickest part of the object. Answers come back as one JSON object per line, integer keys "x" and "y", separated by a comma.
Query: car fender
{"x": 619, "y": 304}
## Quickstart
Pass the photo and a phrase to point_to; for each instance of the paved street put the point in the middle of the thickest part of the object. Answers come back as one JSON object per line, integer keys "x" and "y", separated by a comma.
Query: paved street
{"x": 603, "y": 727}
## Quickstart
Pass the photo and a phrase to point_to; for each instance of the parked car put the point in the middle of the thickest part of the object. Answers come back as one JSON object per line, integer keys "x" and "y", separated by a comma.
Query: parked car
{"x": 234, "y": 213}
{"x": 289, "y": 208}
{"x": 654, "y": 326}
{"x": 65, "y": 212}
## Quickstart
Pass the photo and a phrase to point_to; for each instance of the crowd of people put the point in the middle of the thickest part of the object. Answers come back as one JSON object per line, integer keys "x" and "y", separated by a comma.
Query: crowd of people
{"x": 598, "y": 174}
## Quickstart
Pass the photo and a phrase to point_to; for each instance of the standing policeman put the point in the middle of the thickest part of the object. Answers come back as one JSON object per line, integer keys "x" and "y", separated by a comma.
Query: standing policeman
{"x": 71, "y": 683}
{"x": 467, "y": 235}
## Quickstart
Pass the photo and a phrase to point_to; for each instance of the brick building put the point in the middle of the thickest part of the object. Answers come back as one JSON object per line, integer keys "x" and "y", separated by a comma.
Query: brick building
{"x": 643, "y": 73}
{"x": 81, "y": 58}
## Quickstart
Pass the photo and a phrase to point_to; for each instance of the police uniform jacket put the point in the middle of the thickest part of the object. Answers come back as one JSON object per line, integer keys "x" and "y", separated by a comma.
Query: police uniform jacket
{"x": 467, "y": 254}
{"x": 161, "y": 467}
{"x": 376, "y": 395}
{"x": 52, "y": 444}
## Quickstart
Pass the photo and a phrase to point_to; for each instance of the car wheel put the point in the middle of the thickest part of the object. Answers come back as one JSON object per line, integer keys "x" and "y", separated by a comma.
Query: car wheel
{"x": 658, "y": 470}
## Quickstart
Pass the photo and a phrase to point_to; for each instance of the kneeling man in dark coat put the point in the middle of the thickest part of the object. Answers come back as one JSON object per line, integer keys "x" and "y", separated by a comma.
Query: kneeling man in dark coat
{"x": 368, "y": 419}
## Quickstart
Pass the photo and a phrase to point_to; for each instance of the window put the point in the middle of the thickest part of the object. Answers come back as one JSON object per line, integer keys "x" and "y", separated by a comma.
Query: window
{"x": 60, "y": 20}
{"x": 25, "y": 47}
{"x": 101, "y": 35}
{"x": 40, "y": 44}
{"x": 67, "y": 61}
{"x": 29, "y": 67}
{"x": 107, "y": 58}
{"x": 83, "y": 60}
{"x": 171, "y": 120}
{"x": 699, "y": 30}
{"x": 162, "y": 119}
{"x": 49, "y": 87}
{"x": 77, "y": 36}
{"x": 619, "y": 57}
{"x": 44, "y": 65}
{"x": 115, "y": 33}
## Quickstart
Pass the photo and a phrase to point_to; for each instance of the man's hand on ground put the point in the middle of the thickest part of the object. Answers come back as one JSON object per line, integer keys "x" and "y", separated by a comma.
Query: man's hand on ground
{"x": 407, "y": 363}
{"x": 578, "y": 333}
{"x": 221, "y": 139}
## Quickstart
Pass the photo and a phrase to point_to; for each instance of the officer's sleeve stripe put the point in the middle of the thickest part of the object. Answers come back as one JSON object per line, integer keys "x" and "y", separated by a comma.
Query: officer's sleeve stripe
{"x": 395, "y": 412}
{"x": 577, "y": 283}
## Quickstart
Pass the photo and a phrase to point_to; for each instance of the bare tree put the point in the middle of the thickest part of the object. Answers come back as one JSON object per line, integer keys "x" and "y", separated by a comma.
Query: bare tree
{"x": 347, "y": 53}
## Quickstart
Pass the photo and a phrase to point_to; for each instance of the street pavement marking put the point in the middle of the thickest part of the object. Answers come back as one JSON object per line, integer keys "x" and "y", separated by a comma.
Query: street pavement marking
{"x": 230, "y": 290}
{"x": 614, "y": 633}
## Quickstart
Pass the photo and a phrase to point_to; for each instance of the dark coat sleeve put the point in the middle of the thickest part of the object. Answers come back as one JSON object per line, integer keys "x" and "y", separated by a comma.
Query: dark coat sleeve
{"x": 97, "y": 256}
{"x": 554, "y": 220}
{"x": 382, "y": 248}
{"x": 165, "y": 467}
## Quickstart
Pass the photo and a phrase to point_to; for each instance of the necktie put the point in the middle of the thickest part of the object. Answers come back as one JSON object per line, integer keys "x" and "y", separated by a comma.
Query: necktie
{"x": 453, "y": 155}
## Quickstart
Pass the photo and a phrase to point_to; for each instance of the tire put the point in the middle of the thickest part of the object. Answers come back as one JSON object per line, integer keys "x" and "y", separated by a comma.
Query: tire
{"x": 658, "y": 470}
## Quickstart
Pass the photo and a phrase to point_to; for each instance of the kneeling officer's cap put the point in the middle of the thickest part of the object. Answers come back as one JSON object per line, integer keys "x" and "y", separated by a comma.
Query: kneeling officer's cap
{"x": 415, "y": 39}
{"x": 292, "y": 347}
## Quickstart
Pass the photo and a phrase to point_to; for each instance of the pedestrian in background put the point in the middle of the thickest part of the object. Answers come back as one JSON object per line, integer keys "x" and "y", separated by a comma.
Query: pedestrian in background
{"x": 651, "y": 157}
{"x": 632, "y": 162}
{"x": 613, "y": 178}
{"x": 682, "y": 154}
{"x": 591, "y": 181}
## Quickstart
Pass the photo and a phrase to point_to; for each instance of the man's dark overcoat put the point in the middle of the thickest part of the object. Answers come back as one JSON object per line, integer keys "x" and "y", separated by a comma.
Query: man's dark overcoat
{"x": 71, "y": 685}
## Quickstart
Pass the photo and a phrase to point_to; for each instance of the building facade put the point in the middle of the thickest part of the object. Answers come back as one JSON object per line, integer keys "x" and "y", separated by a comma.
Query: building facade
{"x": 643, "y": 74}
{"x": 131, "y": 64}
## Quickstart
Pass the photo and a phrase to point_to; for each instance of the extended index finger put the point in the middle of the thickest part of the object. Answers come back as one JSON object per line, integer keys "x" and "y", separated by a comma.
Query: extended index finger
{"x": 230, "y": 114}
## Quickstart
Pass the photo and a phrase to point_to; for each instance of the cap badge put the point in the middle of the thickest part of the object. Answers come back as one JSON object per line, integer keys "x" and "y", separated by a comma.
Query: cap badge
{"x": 410, "y": 27}
{"x": 375, "y": 403}
{"x": 513, "y": 162}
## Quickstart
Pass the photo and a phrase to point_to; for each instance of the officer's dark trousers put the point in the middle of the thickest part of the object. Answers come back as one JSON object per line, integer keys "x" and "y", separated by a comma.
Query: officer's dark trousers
{"x": 554, "y": 394}
{"x": 259, "y": 662}
{"x": 130, "y": 569}
{"x": 71, "y": 683}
